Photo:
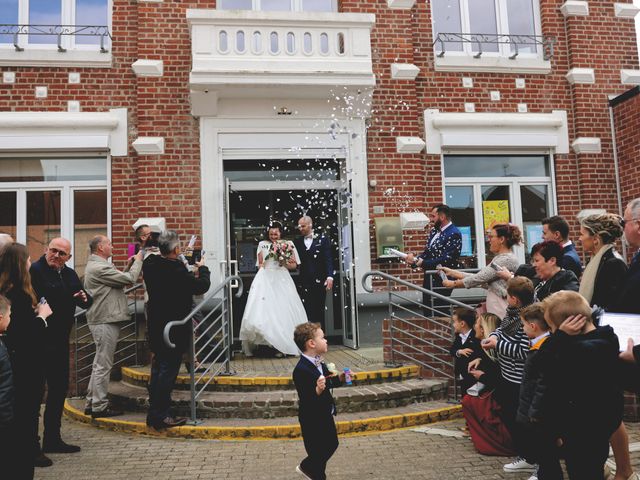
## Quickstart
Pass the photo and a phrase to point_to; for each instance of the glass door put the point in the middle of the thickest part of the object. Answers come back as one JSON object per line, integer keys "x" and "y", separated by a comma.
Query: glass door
{"x": 496, "y": 201}
{"x": 347, "y": 270}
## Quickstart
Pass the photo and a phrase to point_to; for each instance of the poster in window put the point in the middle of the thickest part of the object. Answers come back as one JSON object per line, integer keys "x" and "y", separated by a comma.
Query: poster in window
{"x": 467, "y": 248}
{"x": 495, "y": 212}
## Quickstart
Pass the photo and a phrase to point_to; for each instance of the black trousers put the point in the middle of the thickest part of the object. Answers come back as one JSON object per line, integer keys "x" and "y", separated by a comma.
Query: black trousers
{"x": 28, "y": 381}
{"x": 585, "y": 452}
{"x": 320, "y": 441}
{"x": 16, "y": 453}
{"x": 56, "y": 377}
{"x": 539, "y": 446}
{"x": 313, "y": 298}
{"x": 164, "y": 370}
{"x": 507, "y": 394}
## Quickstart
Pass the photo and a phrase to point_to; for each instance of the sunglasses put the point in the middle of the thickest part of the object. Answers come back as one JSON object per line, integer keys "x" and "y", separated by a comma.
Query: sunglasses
{"x": 59, "y": 253}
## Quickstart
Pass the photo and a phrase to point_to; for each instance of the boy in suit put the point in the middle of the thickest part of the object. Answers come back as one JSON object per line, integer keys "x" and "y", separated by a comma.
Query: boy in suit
{"x": 465, "y": 347}
{"x": 316, "y": 406}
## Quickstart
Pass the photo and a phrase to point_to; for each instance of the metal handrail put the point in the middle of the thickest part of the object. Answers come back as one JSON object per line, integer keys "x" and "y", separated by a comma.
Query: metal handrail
{"x": 216, "y": 337}
{"x": 100, "y": 31}
{"x": 479, "y": 39}
{"x": 79, "y": 338}
{"x": 402, "y": 323}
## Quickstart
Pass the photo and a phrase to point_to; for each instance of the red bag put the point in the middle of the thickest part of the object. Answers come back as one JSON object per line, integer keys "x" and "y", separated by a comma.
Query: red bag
{"x": 488, "y": 434}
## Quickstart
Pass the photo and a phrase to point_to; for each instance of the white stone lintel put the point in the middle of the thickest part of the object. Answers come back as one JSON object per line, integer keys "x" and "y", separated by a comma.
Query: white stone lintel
{"x": 409, "y": 144}
{"x": 575, "y": 8}
{"x": 148, "y": 68}
{"x": 404, "y": 71}
{"x": 581, "y": 75}
{"x": 625, "y": 10}
{"x": 586, "y": 145}
{"x": 630, "y": 77}
{"x": 401, "y": 4}
{"x": 149, "y": 145}
{"x": 413, "y": 220}
{"x": 156, "y": 224}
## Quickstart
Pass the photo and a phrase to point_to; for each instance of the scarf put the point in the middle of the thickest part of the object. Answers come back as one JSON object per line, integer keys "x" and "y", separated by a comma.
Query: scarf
{"x": 511, "y": 321}
{"x": 588, "y": 281}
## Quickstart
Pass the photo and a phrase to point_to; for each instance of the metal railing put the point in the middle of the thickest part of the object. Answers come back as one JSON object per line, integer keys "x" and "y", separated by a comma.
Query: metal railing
{"x": 85, "y": 347}
{"x": 58, "y": 31}
{"x": 211, "y": 339}
{"x": 405, "y": 314}
{"x": 516, "y": 42}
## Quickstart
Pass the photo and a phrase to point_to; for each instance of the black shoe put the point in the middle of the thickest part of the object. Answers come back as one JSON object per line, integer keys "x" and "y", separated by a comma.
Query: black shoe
{"x": 107, "y": 412}
{"x": 168, "y": 422}
{"x": 41, "y": 460}
{"x": 87, "y": 411}
{"x": 59, "y": 446}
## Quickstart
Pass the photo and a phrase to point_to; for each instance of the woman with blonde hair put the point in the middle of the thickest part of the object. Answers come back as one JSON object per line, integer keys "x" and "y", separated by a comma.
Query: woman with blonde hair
{"x": 604, "y": 274}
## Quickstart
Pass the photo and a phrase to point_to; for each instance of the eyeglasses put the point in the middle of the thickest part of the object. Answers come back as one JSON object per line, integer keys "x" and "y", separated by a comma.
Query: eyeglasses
{"x": 623, "y": 222}
{"x": 59, "y": 253}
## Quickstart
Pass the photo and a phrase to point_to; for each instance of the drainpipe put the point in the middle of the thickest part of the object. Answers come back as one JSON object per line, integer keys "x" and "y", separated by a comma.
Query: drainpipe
{"x": 616, "y": 168}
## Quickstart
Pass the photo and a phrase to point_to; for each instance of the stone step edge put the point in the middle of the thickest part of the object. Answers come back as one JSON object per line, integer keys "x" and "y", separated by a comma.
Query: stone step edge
{"x": 273, "y": 432}
{"x": 397, "y": 372}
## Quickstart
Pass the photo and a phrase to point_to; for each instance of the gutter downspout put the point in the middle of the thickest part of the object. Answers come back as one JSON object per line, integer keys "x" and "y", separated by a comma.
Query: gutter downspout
{"x": 616, "y": 167}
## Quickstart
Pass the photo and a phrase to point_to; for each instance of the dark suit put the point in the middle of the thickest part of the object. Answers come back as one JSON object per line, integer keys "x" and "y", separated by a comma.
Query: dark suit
{"x": 316, "y": 264}
{"x": 571, "y": 260}
{"x": 443, "y": 250}
{"x": 628, "y": 300}
{"x": 171, "y": 288}
{"x": 58, "y": 288}
{"x": 610, "y": 279}
{"x": 315, "y": 413}
{"x": 461, "y": 363}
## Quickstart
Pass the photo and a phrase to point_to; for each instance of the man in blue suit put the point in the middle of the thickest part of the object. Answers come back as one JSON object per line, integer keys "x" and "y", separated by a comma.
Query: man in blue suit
{"x": 556, "y": 228}
{"x": 316, "y": 270}
{"x": 443, "y": 248}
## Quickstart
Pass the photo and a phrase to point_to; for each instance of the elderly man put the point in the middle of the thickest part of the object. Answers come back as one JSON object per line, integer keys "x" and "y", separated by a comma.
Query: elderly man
{"x": 106, "y": 285}
{"x": 171, "y": 288}
{"x": 628, "y": 301}
{"x": 60, "y": 286}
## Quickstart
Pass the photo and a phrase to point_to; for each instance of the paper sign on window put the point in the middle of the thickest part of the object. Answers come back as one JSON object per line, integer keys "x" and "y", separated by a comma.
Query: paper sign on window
{"x": 494, "y": 212}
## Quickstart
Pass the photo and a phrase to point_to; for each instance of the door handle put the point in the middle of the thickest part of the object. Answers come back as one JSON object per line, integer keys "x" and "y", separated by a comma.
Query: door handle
{"x": 223, "y": 270}
{"x": 234, "y": 271}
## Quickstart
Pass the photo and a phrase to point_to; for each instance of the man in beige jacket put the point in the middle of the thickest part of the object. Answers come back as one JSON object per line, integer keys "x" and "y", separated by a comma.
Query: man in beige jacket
{"x": 106, "y": 284}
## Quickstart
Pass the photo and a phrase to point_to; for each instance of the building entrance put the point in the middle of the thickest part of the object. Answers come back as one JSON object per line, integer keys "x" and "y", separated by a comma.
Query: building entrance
{"x": 253, "y": 200}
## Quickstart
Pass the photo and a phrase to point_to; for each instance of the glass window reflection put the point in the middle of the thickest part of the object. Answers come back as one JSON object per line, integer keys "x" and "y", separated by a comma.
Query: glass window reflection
{"x": 91, "y": 12}
{"x": 44, "y": 12}
{"x": 496, "y": 166}
{"x": 8, "y": 15}
{"x": 460, "y": 200}
{"x": 52, "y": 169}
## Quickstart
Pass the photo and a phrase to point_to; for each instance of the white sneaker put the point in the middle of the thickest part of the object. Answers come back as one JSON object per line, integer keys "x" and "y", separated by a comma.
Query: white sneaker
{"x": 534, "y": 475}
{"x": 519, "y": 465}
{"x": 475, "y": 389}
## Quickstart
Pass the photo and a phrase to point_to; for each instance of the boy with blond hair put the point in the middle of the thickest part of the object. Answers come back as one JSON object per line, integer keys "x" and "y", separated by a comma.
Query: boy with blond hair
{"x": 588, "y": 402}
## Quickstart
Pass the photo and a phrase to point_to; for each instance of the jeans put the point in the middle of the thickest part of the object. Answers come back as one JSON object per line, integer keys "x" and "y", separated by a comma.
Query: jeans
{"x": 164, "y": 370}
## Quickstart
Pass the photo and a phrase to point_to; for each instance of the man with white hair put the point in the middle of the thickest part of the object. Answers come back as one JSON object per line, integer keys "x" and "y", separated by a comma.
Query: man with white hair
{"x": 171, "y": 288}
{"x": 628, "y": 301}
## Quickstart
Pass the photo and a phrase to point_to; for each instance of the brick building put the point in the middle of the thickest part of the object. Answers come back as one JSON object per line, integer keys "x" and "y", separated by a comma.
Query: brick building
{"x": 362, "y": 113}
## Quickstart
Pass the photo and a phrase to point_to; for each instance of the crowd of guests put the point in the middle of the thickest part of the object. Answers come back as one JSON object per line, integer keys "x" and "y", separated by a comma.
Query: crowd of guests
{"x": 542, "y": 379}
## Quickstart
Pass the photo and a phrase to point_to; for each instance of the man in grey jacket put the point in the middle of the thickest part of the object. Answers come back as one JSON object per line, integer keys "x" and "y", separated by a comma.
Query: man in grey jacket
{"x": 110, "y": 308}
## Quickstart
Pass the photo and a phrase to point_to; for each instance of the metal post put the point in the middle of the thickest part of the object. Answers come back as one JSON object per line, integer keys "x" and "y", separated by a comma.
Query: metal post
{"x": 228, "y": 344}
{"x": 192, "y": 362}
{"x": 75, "y": 356}
{"x": 393, "y": 361}
{"x": 135, "y": 325}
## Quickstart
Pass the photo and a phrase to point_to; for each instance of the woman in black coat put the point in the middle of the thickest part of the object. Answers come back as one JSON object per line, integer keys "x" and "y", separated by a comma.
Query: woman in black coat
{"x": 24, "y": 340}
{"x": 605, "y": 273}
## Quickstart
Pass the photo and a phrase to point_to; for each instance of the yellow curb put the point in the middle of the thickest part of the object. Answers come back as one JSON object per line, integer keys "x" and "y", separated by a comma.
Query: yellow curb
{"x": 399, "y": 372}
{"x": 364, "y": 426}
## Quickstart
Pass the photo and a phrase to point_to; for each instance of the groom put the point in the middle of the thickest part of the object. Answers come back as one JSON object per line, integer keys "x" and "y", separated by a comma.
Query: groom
{"x": 316, "y": 270}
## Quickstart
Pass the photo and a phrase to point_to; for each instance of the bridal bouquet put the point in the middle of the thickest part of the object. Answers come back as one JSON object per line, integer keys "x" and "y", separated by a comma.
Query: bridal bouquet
{"x": 281, "y": 251}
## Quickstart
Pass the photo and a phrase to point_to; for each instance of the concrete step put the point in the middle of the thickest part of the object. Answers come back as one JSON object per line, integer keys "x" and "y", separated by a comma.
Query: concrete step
{"x": 256, "y": 380}
{"x": 273, "y": 428}
{"x": 284, "y": 403}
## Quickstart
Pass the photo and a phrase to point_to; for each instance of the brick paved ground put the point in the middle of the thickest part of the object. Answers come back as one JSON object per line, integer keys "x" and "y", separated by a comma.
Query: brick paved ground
{"x": 395, "y": 455}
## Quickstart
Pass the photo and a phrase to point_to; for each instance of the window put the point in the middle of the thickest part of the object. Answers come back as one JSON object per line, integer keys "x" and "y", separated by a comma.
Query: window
{"x": 485, "y": 189}
{"x": 61, "y": 24}
{"x": 280, "y": 5}
{"x": 491, "y": 27}
{"x": 44, "y": 198}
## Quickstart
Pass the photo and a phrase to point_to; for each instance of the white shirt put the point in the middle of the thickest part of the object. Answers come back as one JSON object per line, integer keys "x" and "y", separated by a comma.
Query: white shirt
{"x": 442, "y": 229}
{"x": 565, "y": 245}
{"x": 308, "y": 240}
{"x": 313, "y": 361}
{"x": 464, "y": 336}
{"x": 538, "y": 338}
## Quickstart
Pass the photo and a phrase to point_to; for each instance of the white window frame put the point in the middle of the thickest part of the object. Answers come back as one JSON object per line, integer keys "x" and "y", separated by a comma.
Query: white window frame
{"x": 296, "y": 6}
{"x": 513, "y": 183}
{"x": 45, "y": 54}
{"x": 67, "y": 189}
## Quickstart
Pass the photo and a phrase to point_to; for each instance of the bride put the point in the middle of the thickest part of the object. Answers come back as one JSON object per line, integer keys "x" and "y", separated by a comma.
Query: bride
{"x": 273, "y": 308}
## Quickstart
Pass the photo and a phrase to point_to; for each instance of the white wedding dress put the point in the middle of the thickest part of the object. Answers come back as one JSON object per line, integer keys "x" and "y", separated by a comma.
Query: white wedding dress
{"x": 273, "y": 308}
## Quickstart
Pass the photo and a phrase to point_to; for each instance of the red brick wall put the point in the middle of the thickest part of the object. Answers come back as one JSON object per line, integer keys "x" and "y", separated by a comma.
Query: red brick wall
{"x": 627, "y": 123}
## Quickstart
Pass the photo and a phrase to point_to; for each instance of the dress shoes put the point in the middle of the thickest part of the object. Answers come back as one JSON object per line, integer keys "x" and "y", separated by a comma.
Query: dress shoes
{"x": 303, "y": 473}
{"x": 107, "y": 412}
{"x": 87, "y": 411}
{"x": 168, "y": 422}
{"x": 41, "y": 460}
{"x": 59, "y": 446}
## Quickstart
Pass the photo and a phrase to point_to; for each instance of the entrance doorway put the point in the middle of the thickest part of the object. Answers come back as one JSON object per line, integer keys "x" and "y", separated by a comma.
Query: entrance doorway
{"x": 259, "y": 192}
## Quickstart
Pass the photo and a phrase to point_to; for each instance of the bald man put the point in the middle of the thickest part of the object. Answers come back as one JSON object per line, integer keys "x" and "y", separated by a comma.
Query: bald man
{"x": 60, "y": 286}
